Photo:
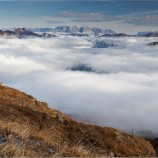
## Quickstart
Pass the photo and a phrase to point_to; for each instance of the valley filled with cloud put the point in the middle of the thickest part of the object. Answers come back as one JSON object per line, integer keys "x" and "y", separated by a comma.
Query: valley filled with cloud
{"x": 114, "y": 86}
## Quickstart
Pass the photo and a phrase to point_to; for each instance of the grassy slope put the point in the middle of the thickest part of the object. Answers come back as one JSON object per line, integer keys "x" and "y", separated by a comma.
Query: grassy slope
{"x": 30, "y": 128}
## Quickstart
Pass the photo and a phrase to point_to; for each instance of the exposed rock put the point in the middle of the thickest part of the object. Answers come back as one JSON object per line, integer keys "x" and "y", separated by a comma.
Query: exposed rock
{"x": 47, "y": 35}
{"x": 79, "y": 34}
{"x": 84, "y": 30}
{"x": 24, "y": 33}
{"x": 2, "y": 84}
{"x": 3, "y": 138}
{"x": 153, "y": 44}
{"x": 51, "y": 150}
{"x": 81, "y": 67}
{"x": 103, "y": 44}
{"x": 152, "y": 34}
{"x": 60, "y": 118}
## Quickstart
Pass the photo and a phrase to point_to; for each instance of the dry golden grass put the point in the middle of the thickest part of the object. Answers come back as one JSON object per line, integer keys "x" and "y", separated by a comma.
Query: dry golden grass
{"x": 34, "y": 130}
{"x": 20, "y": 143}
{"x": 74, "y": 151}
{"x": 13, "y": 150}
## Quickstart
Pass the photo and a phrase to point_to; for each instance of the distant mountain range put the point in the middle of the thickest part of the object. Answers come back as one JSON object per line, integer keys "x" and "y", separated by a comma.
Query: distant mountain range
{"x": 23, "y": 33}
{"x": 69, "y": 30}
{"x": 148, "y": 34}
{"x": 153, "y": 44}
{"x": 75, "y": 30}
{"x": 86, "y": 30}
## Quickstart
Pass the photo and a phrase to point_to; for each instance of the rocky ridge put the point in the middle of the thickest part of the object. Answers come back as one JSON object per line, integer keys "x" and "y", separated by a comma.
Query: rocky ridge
{"x": 24, "y": 33}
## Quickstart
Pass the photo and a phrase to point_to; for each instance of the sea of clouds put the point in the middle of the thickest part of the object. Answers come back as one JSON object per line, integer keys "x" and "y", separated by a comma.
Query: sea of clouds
{"x": 120, "y": 92}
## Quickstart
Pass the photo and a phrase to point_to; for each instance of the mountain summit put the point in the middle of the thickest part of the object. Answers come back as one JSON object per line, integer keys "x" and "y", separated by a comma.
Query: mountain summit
{"x": 84, "y": 29}
{"x": 75, "y": 29}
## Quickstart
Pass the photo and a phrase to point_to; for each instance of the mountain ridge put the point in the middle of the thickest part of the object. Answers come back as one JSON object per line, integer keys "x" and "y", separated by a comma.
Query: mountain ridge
{"x": 32, "y": 127}
{"x": 74, "y": 29}
{"x": 69, "y": 30}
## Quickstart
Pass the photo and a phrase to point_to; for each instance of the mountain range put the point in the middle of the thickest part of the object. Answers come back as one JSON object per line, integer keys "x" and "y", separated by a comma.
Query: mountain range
{"x": 75, "y": 29}
{"x": 69, "y": 30}
{"x": 93, "y": 31}
{"x": 23, "y": 33}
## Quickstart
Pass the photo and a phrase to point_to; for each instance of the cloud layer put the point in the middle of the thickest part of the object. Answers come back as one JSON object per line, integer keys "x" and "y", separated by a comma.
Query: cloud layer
{"x": 121, "y": 91}
{"x": 146, "y": 18}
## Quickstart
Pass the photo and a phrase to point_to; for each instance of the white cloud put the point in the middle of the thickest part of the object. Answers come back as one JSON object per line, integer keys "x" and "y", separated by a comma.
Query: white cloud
{"x": 122, "y": 92}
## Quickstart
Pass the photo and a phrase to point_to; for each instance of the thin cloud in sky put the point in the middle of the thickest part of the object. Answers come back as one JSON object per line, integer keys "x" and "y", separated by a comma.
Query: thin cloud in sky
{"x": 98, "y": 17}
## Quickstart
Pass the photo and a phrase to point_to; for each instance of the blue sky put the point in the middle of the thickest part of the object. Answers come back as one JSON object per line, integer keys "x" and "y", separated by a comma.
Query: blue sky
{"x": 122, "y": 16}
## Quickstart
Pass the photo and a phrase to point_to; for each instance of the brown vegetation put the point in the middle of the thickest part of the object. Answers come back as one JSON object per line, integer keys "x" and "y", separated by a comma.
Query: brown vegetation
{"x": 30, "y": 128}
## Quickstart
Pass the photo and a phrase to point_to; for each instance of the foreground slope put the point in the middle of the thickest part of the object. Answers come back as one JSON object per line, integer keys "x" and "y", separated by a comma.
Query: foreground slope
{"x": 30, "y": 128}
